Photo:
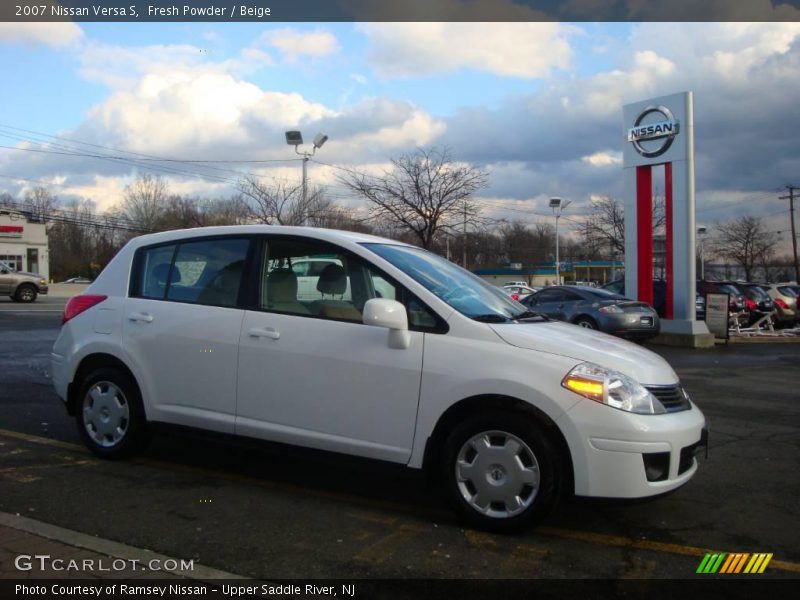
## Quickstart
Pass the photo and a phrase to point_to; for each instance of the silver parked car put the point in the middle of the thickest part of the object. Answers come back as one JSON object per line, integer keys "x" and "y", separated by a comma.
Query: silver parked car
{"x": 596, "y": 308}
{"x": 21, "y": 286}
{"x": 785, "y": 302}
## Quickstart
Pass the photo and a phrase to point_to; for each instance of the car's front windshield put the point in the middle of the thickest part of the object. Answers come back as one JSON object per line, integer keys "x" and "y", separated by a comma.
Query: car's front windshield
{"x": 465, "y": 292}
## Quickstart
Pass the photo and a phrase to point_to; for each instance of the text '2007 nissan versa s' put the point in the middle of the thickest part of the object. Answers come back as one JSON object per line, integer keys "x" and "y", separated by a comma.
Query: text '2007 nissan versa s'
{"x": 366, "y": 346}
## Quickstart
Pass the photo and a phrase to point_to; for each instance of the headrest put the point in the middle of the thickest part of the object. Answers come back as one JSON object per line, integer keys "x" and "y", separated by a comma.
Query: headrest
{"x": 282, "y": 286}
{"x": 161, "y": 272}
{"x": 332, "y": 280}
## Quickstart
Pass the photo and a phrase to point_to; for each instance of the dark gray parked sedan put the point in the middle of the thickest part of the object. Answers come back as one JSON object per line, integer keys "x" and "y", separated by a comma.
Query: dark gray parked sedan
{"x": 595, "y": 308}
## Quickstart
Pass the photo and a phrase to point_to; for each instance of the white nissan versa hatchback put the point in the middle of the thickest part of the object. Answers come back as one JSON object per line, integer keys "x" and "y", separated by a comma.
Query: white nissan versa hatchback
{"x": 402, "y": 356}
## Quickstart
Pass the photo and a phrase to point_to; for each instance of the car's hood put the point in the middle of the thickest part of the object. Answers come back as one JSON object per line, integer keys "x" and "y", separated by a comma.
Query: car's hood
{"x": 25, "y": 274}
{"x": 585, "y": 345}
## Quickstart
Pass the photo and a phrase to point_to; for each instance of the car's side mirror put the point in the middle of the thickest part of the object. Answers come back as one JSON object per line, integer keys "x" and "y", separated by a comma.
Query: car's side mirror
{"x": 383, "y": 312}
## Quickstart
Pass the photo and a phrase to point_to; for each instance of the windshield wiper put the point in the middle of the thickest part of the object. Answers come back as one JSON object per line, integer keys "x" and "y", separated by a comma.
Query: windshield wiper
{"x": 490, "y": 318}
{"x": 529, "y": 314}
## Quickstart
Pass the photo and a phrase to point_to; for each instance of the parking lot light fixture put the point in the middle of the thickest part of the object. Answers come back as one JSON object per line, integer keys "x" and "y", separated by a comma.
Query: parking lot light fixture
{"x": 295, "y": 138}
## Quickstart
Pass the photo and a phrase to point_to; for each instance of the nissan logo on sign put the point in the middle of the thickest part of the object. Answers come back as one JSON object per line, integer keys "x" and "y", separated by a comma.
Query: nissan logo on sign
{"x": 653, "y": 131}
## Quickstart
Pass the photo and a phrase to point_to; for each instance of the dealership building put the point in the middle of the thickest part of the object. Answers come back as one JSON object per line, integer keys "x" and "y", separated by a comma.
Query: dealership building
{"x": 23, "y": 242}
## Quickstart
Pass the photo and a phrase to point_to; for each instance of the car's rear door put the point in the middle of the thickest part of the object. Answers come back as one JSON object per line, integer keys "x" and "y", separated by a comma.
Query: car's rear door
{"x": 181, "y": 329}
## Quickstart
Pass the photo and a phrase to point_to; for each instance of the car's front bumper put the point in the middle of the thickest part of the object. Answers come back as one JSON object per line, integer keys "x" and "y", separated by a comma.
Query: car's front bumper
{"x": 611, "y": 449}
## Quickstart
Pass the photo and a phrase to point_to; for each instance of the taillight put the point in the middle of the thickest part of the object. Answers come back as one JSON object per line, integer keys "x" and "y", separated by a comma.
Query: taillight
{"x": 77, "y": 304}
{"x": 781, "y": 303}
{"x": 751, "y": 306}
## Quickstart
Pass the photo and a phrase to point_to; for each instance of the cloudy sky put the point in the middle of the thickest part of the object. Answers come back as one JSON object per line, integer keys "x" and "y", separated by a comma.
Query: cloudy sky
{"x": 539, "y": 105}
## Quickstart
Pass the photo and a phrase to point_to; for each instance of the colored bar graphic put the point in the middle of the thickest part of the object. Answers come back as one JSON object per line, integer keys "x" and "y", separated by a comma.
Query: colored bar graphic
{"x": 733, "y": 563}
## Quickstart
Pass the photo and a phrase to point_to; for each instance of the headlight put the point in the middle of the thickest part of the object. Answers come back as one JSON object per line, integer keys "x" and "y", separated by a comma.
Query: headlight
{"x": 612, "y": 388}
{"x": 43, "y": 281}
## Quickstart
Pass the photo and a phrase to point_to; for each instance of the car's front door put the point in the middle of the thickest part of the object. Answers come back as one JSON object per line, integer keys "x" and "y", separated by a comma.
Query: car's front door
{"x": 311, "y": 373}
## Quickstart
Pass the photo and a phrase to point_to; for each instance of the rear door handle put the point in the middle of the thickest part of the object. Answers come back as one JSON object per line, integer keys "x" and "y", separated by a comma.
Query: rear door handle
{"x": 267, "y": 332}
{"x": 142, "y": 317}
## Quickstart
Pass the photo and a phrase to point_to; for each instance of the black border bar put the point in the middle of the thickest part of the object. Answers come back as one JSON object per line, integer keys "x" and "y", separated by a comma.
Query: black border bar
{"x": 266, "y": 11}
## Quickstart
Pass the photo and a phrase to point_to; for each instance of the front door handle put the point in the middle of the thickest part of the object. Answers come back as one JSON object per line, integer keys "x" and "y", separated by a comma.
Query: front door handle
{"x": 142, "y": 317}
{"x": 267, "y": 332}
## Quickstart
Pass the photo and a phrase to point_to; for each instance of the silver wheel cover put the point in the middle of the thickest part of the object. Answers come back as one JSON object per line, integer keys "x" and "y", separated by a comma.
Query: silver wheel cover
{"x": 497, "y": 474}
{"x": 106, "y": 414}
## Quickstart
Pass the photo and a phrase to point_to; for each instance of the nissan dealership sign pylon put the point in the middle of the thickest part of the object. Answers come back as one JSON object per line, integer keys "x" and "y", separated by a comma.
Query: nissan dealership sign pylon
{"x": 659, "y": 134}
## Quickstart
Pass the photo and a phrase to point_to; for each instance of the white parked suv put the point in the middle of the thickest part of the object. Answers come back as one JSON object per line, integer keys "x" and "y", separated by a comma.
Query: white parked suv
{"x": 402, "y": 356}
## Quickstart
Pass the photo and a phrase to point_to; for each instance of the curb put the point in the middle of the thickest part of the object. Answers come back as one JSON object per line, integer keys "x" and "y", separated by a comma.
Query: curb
{"x": 103, "y": 546}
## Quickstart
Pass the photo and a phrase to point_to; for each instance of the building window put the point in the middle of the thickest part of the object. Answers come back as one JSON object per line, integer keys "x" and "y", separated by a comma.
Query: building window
{"x": 15, "y": 262}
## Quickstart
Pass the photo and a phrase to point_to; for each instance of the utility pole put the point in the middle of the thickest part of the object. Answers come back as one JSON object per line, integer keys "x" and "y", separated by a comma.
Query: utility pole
{"x": 465, "y": 234}
{"x": 790, "y": 198}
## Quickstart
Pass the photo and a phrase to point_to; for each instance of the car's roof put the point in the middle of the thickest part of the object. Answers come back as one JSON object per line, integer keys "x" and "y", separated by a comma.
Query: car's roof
{"x": 330, "y": 235}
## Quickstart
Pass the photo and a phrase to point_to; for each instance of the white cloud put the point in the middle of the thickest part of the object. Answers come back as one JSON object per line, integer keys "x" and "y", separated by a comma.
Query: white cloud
{"x": 603, "y": 159}
{"x": 294, "y": 44}
{"x": 525, "y": 50}
{"x": 179, "y": 111}
{"x": 49, "y": 34}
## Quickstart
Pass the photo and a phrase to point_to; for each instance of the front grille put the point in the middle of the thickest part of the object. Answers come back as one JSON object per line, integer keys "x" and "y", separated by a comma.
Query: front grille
{"x": 671, "y": 396}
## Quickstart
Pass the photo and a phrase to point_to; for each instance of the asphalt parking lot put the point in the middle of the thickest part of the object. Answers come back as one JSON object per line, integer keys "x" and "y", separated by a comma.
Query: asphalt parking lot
{"x": 275, "y": 513}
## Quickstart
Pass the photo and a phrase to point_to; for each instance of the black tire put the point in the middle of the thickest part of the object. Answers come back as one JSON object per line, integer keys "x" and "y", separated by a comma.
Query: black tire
{"x": 587, "y": 323}
{"x": 26, "y": 293}
{"x": 110, "y": 415}
{"x": 497, "y": 516}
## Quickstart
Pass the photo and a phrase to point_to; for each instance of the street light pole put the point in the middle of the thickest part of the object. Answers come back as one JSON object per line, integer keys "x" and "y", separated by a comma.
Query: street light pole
{"x": 701, "y": 231}
{"x": 305, "y": 178}
{"x": 558, "y": 205}
{"x": 295, "y": 138}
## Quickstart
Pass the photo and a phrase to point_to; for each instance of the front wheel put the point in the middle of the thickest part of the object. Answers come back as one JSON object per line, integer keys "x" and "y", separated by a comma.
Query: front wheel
{"x": 501, "y": 472}
{"x": 110, "y": 416}
{"x": 25, "y": 293}
{"x": 586, "y": 323}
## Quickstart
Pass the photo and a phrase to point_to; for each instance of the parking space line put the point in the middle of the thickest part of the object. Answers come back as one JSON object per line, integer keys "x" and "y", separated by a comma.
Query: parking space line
{"x": 384, "y": 548}
{"x": 42, "y": 441}
{"x": 601, "y": 539}
{"x": 71, "y": 463}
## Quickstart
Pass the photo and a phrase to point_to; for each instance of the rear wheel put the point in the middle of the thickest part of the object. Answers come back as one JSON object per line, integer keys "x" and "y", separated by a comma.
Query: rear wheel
{"x": 501, "y": 472}
{"x": 110, "y": 415}
{"x": 26, "y": 293}
{"x": 586, "y": 322}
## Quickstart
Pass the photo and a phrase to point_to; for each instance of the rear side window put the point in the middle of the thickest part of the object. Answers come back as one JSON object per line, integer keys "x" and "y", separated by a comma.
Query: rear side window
{"x": 208, "y": 272}
{"x": 153, "y": 272}
{"x": 199, "y": 272}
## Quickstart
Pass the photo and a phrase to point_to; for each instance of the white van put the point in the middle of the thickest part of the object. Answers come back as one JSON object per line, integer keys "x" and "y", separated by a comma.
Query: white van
{"x": 402, "y": 356}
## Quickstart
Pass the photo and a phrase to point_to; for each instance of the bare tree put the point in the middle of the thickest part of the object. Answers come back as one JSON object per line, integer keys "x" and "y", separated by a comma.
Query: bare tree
{"x": 39, "y": 203}
{"x": 606, "y": 225}
{"x": 425, "y": 193}
{"x": 745, "y": 242}
{"x": 227, "y": 211}
{"x": 279, "y": 203}
{"x": 341, "y": 217}
{"x": 144, "y": 202}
